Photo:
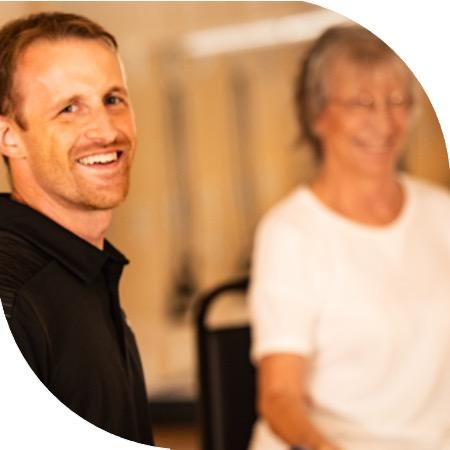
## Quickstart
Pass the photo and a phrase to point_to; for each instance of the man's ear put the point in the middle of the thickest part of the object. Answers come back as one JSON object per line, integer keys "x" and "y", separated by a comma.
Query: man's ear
{"x": 10, "y": 141}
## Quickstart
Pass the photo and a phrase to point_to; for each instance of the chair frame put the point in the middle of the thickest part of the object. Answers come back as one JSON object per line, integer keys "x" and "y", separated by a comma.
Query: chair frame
{"x": 201, "y": 310}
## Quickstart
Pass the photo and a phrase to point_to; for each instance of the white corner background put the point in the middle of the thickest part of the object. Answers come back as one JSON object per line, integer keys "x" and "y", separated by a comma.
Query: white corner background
{"x": 419, "y": 31}
{"x": 31, "y": 418}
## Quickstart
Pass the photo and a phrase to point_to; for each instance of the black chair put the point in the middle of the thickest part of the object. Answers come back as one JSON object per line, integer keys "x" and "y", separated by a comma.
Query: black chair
{"x": 226, "y": 377}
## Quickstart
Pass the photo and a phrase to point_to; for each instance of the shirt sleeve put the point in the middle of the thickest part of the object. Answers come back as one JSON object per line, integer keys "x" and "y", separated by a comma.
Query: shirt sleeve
{"x": 283, "y": 306}
{"x": 30, "y": 337}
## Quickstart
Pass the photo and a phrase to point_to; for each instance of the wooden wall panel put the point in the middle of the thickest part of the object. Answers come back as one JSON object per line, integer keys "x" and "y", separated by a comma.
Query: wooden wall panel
{"x": 426, "y": 156}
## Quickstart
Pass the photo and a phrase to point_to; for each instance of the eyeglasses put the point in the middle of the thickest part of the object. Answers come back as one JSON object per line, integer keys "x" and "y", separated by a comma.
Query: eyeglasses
{"x": 366, "y": 104}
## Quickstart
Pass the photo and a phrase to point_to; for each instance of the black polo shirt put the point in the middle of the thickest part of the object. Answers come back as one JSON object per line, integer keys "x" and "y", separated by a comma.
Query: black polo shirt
{"x": 60, "y": 296}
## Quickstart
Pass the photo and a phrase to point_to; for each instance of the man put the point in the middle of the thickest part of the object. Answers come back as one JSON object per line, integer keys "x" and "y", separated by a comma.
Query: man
{"x": 67, "y": 133}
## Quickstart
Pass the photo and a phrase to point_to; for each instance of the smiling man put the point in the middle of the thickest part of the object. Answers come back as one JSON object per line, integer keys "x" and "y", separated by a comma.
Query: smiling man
{"x": 67, "y": 134}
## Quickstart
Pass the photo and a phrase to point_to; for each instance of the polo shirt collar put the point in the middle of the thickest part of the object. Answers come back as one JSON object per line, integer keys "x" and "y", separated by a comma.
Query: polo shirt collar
{"x": 77, "y": 255}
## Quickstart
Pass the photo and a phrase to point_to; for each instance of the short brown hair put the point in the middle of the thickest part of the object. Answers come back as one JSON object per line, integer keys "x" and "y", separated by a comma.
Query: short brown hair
{"x": 351, "y": 43}
{"x": 18, "y": 34}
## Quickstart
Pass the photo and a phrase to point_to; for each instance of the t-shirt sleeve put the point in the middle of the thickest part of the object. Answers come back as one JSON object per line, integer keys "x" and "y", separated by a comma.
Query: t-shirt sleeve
{"x": 283, "y": 306}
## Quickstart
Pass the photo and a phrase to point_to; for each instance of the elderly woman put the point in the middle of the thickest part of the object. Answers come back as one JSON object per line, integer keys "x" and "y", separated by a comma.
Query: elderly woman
{"x": 350, "y": 295}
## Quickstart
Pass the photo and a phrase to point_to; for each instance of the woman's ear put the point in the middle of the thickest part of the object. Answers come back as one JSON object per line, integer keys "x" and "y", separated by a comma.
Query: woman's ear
{"x": 10, "y": 141}
{"x": 319, "y": 125}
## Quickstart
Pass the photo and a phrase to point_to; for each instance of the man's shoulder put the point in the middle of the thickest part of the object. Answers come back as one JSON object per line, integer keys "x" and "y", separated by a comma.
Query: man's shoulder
{"x": 20, "y": 261}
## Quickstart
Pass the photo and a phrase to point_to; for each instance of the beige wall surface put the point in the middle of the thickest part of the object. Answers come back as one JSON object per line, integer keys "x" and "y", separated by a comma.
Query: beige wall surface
{"x": 216, "y": 149}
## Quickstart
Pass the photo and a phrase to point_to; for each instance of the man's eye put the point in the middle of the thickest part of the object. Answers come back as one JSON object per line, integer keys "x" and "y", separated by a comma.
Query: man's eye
{"x": 69, "y": 109}
{"x": 113, "y": 100}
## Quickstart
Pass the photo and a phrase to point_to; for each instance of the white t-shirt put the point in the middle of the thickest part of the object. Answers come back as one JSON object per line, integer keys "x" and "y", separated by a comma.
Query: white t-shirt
{"x": 370, "y": 307}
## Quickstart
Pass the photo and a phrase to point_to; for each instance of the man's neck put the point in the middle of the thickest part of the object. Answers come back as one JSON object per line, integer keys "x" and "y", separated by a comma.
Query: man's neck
{"x": 90, "y": 225}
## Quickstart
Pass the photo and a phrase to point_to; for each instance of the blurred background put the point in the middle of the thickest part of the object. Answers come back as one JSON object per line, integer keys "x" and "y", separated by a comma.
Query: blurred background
{"x": 212, "y": 88}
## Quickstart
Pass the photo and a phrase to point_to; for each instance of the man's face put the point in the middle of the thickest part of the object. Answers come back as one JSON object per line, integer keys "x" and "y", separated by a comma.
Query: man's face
{"x": 80, "y": 134}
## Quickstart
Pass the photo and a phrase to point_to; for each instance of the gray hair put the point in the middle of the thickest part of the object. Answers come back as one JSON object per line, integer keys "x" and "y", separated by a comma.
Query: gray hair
{"x": 352, "y": 43}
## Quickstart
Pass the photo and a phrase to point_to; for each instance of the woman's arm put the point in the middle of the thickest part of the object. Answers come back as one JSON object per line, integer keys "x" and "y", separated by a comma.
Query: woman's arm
{"x": 282, "y": 401}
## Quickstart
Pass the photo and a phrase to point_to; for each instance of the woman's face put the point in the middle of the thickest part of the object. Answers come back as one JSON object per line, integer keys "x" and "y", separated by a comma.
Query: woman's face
{"x": 364, "y": 123}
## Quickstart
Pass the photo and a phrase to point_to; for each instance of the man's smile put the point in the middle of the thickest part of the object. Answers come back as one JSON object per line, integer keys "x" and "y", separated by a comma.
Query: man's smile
{"x": 100, "y": 158}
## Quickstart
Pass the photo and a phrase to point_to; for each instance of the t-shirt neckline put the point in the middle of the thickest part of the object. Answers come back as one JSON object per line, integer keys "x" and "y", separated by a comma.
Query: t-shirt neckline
{"x": 344, "y": 221}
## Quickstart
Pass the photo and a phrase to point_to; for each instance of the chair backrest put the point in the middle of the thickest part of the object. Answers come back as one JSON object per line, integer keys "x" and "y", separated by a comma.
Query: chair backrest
{"x": 226, "y": 377}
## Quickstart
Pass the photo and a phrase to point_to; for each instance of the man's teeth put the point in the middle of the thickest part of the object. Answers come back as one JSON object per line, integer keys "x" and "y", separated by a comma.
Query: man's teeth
{"x": 103, "y": 158}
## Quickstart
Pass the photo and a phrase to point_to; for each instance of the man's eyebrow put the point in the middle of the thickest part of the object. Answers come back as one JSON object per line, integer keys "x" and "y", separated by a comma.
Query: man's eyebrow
{"x": 119, "y": 90}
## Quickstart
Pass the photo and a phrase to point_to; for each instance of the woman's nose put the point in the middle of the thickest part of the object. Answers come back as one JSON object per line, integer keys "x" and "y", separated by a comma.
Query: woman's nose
{"x": 383, "y": 118}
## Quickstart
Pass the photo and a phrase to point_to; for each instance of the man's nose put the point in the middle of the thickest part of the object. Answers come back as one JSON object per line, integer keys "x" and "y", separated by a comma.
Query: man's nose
{"x": 101, "y": 128}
